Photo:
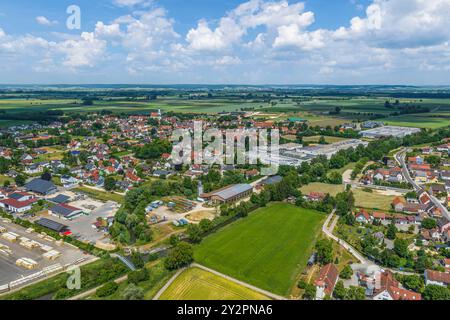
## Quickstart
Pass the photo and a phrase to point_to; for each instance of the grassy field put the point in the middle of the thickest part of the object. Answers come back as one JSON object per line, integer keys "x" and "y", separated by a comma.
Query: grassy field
{"x": 332, "y": 189}
{"x": 372, "y": 200}
{"x": 419, "y": 121}
{"x": 5, "y": 178}
{"x": 197, "y": 284}
{"x": 363, "y": 199}
{"x": 99, "y": 195}
{"x": 268, "y": 249}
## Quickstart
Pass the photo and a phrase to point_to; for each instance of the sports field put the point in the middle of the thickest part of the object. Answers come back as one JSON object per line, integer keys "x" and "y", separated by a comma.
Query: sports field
{"x": 268, "y": 249}
{"x": 197, "y": 284}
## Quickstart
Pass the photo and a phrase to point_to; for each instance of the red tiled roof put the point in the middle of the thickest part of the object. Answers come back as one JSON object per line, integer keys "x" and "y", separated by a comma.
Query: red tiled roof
{"x": 328, "y": 277}
{"x": 18, "y": 204}
{"x": 438, "y": 276}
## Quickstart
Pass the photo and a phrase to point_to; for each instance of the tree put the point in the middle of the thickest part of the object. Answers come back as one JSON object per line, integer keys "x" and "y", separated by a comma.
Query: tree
{"x": 107, "y": 289}
{"x": 401, "y": 248}
{"x": 435, "y": 292}
{"x": 355, "y": 293}
{"x": 391, "y": 232}
{"x": 310, "y": 292}
{"x": 138, "y": 276}
{"x": 324, "y": 251}
{"x": 110, "y": 183}
{"x": 322, "y": 140}
{"x": 194, "y": 233}
{"x": 434, "y": 161}
{"x": 20, "y": 180}
{"x": 339, "y": 290}
{"x": 429, "y": 223}
{"x": 133, "y": 292}
{"x": 346, "y": 273}
{"x": 205, "y": 225}
{"x": 413, "y": 282}
{"x": 180, "y": 256}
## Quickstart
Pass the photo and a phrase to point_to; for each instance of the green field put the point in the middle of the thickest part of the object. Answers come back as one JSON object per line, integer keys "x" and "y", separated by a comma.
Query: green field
{"x": 268, "y": 249}
{"x": 369, "y": 200}
{"x": 197, "y": 284}
{"x": 419, "y": 121}
{"x": 332, "y": 189}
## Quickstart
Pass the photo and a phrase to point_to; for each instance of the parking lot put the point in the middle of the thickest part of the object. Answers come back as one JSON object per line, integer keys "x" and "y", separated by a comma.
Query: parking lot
{"x": 82, "y": 226}
{"x": 9, "y": 271}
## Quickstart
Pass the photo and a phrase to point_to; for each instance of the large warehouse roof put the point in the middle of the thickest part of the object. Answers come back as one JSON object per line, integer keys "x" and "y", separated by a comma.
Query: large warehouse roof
{"x": 52, "y": 225}
{"x": 232, "y": 191}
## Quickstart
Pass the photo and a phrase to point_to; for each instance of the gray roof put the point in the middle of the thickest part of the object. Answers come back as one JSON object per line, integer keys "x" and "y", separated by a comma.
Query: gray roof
{"x": 64, "y": 210}
{"x": 232, "y": 191}
{"x": 52, "y": 225}
{"x": 60, "y": 199}
{"x": 40, "y": 186}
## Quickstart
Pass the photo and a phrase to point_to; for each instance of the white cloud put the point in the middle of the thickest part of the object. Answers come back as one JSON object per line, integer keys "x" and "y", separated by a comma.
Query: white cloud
{"x": 131, "y": 3}
{"x": 44, "y": 21}
{"x": 107, "y": 31}
{"x": 83, "y": 52}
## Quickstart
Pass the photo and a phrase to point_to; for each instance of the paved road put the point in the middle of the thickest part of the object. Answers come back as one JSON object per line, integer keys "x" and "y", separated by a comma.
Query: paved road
{"x": 329, "y": 232}
{"x": 400, "y": 157}
{"x": 167, "y": 285}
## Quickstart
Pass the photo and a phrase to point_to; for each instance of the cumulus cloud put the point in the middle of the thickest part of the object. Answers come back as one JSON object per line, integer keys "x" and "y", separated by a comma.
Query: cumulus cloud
{"x": 131, "y": 3}
{"x": 258, "y": 39}
{"x": 44, "y": 21}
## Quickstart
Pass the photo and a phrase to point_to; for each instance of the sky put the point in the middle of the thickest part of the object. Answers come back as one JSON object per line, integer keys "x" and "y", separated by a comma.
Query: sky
{"x": 355, "y": 42}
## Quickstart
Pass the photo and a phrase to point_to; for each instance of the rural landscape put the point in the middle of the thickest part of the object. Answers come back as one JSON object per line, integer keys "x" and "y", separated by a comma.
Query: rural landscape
{"x": 227, "y": 158}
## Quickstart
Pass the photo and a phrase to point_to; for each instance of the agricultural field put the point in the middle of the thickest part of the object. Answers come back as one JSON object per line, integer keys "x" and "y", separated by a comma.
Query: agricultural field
{"x": 420, "y": 121}
{"x": 268, "y": 249}
{"x": 332, "y": 189}
{"x": 372, "y": 200}
{"x": 197, "y": 284}
{"x": 363, "y": 199}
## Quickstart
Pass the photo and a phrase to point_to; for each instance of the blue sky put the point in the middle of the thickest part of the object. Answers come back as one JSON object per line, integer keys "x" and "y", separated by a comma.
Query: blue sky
{"x": 230, "y": 41}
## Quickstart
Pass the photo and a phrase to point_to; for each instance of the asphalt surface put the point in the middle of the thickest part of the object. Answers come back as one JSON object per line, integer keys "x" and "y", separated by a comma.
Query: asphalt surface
{"x": 400, "y": 158}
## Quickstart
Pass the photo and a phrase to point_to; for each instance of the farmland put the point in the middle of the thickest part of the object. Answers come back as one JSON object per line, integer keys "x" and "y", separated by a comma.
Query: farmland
{"x": 268, "y": 249}
{"x": 197, "y": 284}
{"x": 368, "y": 200}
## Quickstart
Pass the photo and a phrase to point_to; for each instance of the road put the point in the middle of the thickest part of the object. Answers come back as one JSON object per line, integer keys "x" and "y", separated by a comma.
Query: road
{"x": 329, "y": 232}
{"x": 400, "y": 157}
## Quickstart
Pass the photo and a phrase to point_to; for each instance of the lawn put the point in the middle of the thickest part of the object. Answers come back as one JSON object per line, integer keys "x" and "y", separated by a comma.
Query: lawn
{"x": 5, "y": 178}
{"x": 369, "y": 200}
{"x": 268, "y": 249}
{"x": 197, "y": 284}
{"x": 372, "y": 200}
{"x": 332, "y": 189}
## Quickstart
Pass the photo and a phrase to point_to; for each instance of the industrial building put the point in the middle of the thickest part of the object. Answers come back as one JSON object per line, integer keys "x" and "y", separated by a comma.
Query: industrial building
{"x": 229, "y": 194}
{"x": 389, "y": 131}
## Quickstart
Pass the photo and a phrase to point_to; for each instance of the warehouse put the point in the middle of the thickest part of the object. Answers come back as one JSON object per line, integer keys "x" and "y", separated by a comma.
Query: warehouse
{"x": 52, "y": 225}
{"x": 389, "y": 131}
{"x": 40, "y": 186}
{"x": 229, "y": 194}
{"x": 65, "y": 211}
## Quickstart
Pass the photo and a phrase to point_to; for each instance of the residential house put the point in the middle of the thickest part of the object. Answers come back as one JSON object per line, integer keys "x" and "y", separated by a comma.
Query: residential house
{"x": 437, "y": 278}
{"x": 325, "y": 283}
{"x": 362, "y": 217}
{"x": 390, "y": 289}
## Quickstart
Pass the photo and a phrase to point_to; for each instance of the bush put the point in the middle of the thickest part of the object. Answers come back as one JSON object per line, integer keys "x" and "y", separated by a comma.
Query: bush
{"x": 138, "y": 276}
{"x": 107, "y": 289}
